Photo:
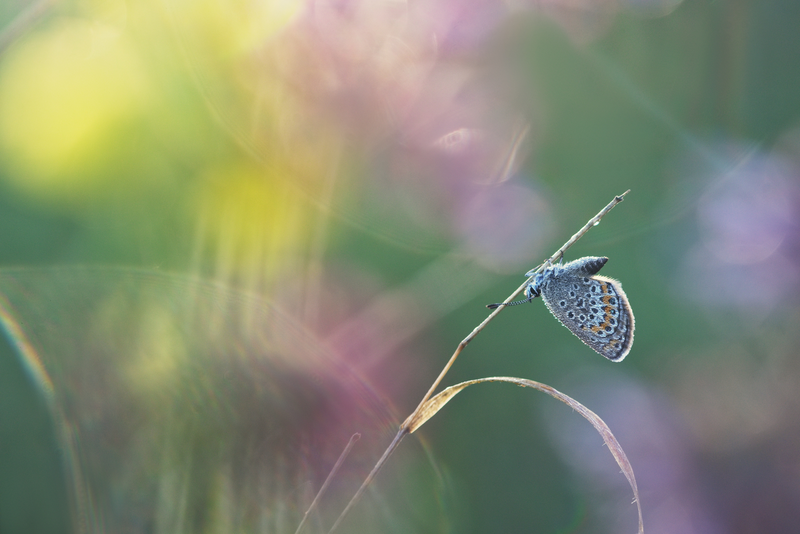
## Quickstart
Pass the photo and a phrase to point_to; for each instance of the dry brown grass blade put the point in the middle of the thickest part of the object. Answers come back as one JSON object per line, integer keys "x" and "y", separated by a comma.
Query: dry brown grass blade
{"x": 594, "y": 221}
{"x": 428, "y": 406}
{"x": 434, "y": 404}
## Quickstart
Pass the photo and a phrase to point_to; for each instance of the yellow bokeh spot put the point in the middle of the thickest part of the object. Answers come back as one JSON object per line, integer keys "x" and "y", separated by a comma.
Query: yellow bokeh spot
{"x": 66, "y": 95}
{"x": 252, "y": 221}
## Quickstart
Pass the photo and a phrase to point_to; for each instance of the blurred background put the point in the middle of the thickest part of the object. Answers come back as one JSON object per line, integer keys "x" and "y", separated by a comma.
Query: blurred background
{"x": 235, "y": 234}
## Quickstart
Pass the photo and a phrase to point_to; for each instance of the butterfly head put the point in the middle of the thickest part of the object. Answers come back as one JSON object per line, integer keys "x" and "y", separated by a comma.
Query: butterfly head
{"x": 534, "y": 288}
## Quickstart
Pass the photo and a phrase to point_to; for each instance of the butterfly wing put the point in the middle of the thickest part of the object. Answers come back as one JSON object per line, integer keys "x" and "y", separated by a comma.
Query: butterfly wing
{"x": 596, "y": 310}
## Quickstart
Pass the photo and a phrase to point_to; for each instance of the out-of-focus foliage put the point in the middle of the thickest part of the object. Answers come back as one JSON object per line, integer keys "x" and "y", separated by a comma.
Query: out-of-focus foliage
{"x": 232, "y": 234}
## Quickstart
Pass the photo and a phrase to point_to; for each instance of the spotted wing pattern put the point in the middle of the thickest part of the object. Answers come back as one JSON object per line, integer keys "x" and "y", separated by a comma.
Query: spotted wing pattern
{"x": 594, "y": 308}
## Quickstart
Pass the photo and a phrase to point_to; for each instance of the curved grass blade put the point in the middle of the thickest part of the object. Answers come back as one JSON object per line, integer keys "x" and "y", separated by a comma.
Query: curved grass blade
{"x": 434, "y": 404}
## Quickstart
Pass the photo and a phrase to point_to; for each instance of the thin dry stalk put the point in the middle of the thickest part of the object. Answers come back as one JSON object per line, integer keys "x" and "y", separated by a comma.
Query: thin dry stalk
{"x": 552, "y": 259}
{"x": 412, "y": 422}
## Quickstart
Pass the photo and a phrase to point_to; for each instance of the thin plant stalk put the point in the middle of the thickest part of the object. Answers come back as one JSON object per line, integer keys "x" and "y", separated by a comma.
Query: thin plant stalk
{"x": 411, "y": 420}
{"x": 552, "y": 259}
{"x": 321, "y": 492}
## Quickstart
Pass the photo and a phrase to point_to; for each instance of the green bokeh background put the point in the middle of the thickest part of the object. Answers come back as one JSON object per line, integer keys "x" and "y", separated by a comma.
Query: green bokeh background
{"x": 656, "y": 104}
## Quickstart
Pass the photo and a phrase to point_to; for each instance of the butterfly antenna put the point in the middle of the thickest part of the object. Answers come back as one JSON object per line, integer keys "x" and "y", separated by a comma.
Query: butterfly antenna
{"x": 514, "y": 303}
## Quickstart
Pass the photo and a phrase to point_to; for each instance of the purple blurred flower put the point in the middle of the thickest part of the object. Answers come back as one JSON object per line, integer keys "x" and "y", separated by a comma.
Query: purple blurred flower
{"x": 744, "y": 220}
{"x": 503, "y": 227}
{"x": 746, "y": 215}
{"x": 656, "y": 442}
{"x": 365, "y": 66}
